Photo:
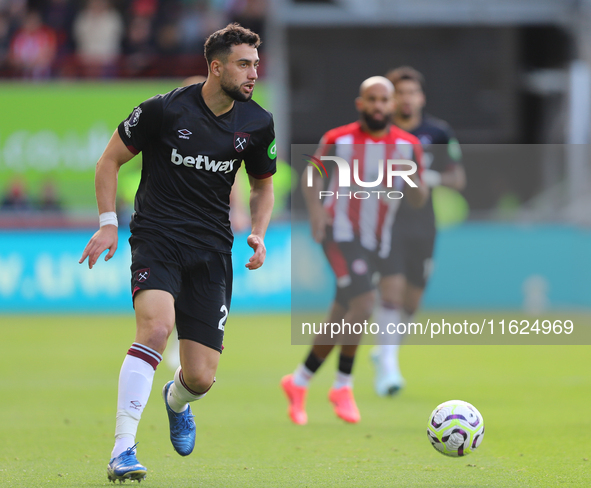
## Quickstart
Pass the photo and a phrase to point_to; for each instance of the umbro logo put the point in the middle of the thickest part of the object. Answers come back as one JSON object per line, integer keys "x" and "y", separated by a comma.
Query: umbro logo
{"x": 184, "y": 133}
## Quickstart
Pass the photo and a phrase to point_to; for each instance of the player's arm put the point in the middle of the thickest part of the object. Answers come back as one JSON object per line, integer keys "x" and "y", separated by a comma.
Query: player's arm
{"x": 417, "y": 196}
{"x": 319, "y": 217}
{"x": 454, "y": 175}
{"x": 261, "y": 207}
{"x": 105, "y": 182}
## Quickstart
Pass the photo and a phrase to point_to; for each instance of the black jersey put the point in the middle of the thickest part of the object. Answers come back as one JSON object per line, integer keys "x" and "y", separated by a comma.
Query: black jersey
{"x": 190, "y": 160}
{"x": 440, "y": 150}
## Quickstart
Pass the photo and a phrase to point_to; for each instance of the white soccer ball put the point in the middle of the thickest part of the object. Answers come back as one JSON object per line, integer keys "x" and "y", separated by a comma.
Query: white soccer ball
{"x": 455, "y": 428}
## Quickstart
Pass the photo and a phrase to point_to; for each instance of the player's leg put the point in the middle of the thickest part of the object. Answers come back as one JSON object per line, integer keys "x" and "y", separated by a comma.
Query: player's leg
{"x": 154, "y": 321}
{"x": 192, "y": 380}
{"x": 388, "y": 379}
{"x": 353, "y": 303}
{"x": 295, "y": 386}
{"x": 360, "y": 308}
{"x": 418, "y": 276}
{"x": 415, "y": 258}
{"x": 418, "y": 272}
{"x": 321, "y": 348}
{"x": 341, "y": 392}
{"x": 201, "y": 311}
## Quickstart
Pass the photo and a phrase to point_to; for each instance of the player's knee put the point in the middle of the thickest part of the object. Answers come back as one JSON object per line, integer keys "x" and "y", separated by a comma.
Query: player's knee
{"x": 199, "y": 381}
{"x": 392, "y": 303}
{"x": 154, "y": 334}
{"x": 363, "y": 305}
{"x": 410, "y": 310}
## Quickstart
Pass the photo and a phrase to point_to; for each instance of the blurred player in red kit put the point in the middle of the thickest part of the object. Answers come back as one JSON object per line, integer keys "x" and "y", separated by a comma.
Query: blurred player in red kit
{"x": 355, "y": 235}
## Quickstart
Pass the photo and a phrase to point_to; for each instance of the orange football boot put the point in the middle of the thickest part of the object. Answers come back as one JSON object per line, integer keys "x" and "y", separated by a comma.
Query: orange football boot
{"x": 344, "y": 404}
{"x": 296, "y": 395}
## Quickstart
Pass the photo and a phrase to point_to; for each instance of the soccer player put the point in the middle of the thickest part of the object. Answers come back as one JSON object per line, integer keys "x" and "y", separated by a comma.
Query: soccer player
{"x": 413, "y": 234}
{"x": 193, "y": 140}
{"x": 355, "y": 237}
{"x": 239, "y": 220}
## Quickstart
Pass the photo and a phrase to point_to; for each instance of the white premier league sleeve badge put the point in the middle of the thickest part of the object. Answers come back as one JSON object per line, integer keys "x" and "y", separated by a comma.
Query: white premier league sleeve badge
{"x": 132, "y": 121}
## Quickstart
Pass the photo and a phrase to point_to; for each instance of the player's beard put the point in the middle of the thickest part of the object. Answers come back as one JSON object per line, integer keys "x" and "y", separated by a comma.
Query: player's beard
{"x": 404, "y": 115}
{"x": 234, "y": 92}
{"x": 375, "y": 125}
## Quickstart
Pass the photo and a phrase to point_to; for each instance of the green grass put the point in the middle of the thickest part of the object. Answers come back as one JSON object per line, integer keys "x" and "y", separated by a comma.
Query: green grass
{"x": 58, "y": 380}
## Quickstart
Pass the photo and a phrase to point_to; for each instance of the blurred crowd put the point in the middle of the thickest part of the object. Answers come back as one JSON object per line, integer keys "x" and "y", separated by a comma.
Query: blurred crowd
{"x": 42, "y": 39}
{"x": 16, "y": 198}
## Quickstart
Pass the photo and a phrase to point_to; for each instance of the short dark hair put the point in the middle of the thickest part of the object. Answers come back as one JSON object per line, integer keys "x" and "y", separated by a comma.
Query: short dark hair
{"x": 219, "y": 44}
{"x": 406, "y": 73}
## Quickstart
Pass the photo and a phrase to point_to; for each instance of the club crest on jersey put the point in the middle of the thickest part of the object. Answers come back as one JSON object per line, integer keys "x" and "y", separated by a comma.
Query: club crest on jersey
{"x": 132, "y": 121}
{"x": 241, "y": 140}
{"x": 425, "y": 139}
{"x": 142, "y": 275}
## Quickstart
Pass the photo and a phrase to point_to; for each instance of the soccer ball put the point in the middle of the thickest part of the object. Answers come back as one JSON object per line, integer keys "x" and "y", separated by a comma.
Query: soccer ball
{"x": 455, "y": 428}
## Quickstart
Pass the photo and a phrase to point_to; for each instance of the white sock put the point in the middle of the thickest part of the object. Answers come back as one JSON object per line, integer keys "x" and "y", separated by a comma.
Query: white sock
{"x": 135, "y": 383}
{"x": 389, "y": 358}
{"x": 384, "y": 316}
{"x": 122, "y": 443}
{"x": 302, "y": 376}
{"x": 388, "y": 350}
{"x": 179, "y": 394}
{"x": 343, "y": 380}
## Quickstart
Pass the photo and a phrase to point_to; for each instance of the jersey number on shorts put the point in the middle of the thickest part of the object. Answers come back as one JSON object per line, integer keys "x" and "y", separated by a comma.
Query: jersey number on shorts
{"x": 224, "y": 310}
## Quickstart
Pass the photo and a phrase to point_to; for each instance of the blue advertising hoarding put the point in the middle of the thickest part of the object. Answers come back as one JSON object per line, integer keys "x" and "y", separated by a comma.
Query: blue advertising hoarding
{"x": 39, "y": 272}
{"x": 477, "y": 266}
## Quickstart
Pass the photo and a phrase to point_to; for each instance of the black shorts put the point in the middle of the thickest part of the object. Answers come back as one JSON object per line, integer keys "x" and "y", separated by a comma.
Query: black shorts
{"x": 199, "y": 280}
{"x": 354, "y": 267}
{"x": 412, "y": 256}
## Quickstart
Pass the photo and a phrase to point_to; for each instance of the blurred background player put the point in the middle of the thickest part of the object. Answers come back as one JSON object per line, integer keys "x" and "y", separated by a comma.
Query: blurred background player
{"x": 413, "y": 233}
{"x": 355, "y": 238}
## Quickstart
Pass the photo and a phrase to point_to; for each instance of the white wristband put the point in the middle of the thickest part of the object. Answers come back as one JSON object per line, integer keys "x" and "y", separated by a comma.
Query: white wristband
{"x": 108, "y": 218}
{"x": 431, "y": 178}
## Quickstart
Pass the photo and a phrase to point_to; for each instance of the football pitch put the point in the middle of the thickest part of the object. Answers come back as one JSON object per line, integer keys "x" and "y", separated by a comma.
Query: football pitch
{"x": 58, "y": 387}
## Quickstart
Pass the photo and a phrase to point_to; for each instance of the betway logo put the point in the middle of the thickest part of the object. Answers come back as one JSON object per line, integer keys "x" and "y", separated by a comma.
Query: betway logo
{"x": 202, "y": 162}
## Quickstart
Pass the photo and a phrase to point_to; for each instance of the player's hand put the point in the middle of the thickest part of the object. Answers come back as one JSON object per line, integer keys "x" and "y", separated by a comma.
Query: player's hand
{"x": 105, "y": 238}
{"x": 260, "y": 251}
{"x": 319, "y": 220}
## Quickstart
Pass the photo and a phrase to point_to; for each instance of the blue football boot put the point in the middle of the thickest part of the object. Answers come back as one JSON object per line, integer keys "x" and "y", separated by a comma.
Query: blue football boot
{"x": 126, "y": 467}
{"x": 182, "y": 426}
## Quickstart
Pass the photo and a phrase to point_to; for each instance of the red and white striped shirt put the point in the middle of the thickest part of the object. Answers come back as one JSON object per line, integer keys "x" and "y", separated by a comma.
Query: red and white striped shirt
{"x": 370, "y": 216}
